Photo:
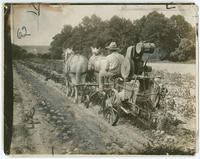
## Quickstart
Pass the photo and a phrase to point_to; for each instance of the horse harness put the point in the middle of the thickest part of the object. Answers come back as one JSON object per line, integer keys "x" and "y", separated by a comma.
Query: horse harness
{"x": 68, "y": 67}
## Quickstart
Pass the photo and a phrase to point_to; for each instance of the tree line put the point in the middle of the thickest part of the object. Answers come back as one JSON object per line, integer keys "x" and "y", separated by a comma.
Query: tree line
{"x": 19, "y": 52}
{"x": 174, "y": 37}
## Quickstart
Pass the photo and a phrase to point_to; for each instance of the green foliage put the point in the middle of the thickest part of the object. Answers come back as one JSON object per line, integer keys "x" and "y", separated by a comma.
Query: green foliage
{"x": 45, "y": 56}
{"x": 59, "y": 40}
{"x": 18, "y": 52}
{"x": 185, "y": 51}
{"x": 156, "y": 28}
{"x": 181, "y": 26}
{"x": 165, "y": 32}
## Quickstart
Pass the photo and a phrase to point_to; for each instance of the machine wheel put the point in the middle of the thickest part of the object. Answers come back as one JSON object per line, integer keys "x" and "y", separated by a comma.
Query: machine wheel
{"x": 111, "y": 115}
{"x": 127, "y": 68}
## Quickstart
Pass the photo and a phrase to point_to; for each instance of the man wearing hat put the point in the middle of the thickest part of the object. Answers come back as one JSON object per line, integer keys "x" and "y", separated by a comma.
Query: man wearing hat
{"x": 113, "y": 64}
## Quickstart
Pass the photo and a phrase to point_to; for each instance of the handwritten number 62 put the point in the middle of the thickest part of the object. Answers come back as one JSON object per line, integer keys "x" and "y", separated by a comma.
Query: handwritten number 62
{"x": 22, "y": 32}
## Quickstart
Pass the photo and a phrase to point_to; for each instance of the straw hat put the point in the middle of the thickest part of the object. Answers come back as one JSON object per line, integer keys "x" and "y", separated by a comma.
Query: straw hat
{"x": 112, "y": 46}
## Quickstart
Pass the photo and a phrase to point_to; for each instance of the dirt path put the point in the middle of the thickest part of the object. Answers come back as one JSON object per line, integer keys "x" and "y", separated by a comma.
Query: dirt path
{"x": 26, "y": 140}
{"x": 61, "y": 127}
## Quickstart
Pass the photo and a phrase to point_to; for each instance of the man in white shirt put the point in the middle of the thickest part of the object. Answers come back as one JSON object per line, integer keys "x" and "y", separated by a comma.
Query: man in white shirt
{"x": 113, "y": 64}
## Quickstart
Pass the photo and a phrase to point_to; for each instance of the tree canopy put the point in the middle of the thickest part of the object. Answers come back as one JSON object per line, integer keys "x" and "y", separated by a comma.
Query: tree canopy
{"x": 167, "y": 33}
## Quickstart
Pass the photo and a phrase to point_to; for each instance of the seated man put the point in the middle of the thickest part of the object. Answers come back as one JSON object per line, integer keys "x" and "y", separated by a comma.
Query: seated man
{"x": 113, "y": 64}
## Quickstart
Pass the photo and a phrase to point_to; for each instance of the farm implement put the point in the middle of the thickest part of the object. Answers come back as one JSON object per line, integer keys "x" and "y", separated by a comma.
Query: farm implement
{"x": 135, "y": 93}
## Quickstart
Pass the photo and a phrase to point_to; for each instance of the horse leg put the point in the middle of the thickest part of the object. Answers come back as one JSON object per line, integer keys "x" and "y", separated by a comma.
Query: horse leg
{"x": 100, "y": 81}
{"x": 67, "y": 87}
{"x": 72, "y": 77}
{"x": 72, "y": 91}
{"x": 77, "y": 81}
{"x": 97, "y": 77}
{"x": 82, "y": 88}
{"x": 76, "y": 94}
{"x": 74, "y": 88}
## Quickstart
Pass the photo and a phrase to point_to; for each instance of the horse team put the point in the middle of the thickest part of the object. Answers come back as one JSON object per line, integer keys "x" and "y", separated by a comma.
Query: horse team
{"x": 77, "y": 66}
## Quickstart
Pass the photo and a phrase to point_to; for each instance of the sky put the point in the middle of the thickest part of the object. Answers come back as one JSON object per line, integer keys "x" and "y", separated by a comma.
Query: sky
{"x": 52, "y": 18}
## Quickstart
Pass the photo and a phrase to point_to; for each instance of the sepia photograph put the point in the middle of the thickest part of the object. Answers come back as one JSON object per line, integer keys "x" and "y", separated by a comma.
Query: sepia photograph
{"x": 100, "y": 79}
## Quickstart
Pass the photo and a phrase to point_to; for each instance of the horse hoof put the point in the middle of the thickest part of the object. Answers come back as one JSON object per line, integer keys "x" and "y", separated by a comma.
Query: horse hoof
{"x": 86, "y": 104}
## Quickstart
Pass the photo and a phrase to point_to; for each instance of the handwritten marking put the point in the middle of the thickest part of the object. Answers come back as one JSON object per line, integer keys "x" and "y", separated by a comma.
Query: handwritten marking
{"x": 22, "y": 32}
{"x": 36, "y": 12}
{"x": 37, "y": 9}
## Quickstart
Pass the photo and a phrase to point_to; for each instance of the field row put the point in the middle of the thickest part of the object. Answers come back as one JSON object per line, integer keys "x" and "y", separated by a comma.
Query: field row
{"x": 180, "y": 101}
{"x": 181, "y": 97}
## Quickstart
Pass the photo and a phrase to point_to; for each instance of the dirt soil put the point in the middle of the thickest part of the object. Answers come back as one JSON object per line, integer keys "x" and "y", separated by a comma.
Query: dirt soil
{"x": 47, "y": 122}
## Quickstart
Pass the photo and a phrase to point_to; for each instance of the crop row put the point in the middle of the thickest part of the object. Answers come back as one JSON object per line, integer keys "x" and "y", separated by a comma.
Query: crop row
{"x": 179, "y": 97}
{"x": 44, "y": 70}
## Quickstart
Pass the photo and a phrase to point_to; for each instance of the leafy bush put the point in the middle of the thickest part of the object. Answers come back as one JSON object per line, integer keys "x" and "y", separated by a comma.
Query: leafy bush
{"x": 185, "y": 51}
{"x": 165, "y": 32}
{"x": 18, "y": 52}
{"x": 46, "y": 56}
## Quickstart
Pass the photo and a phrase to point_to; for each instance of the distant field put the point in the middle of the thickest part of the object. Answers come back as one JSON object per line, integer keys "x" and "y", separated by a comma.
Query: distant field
{"x": 175, "y": 67}
{"x": 36, "y": 49}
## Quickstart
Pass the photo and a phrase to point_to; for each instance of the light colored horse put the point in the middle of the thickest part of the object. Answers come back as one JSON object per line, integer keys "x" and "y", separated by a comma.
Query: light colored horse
{"x": 97, "y": 62}
{"x": 75, "y": 69}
